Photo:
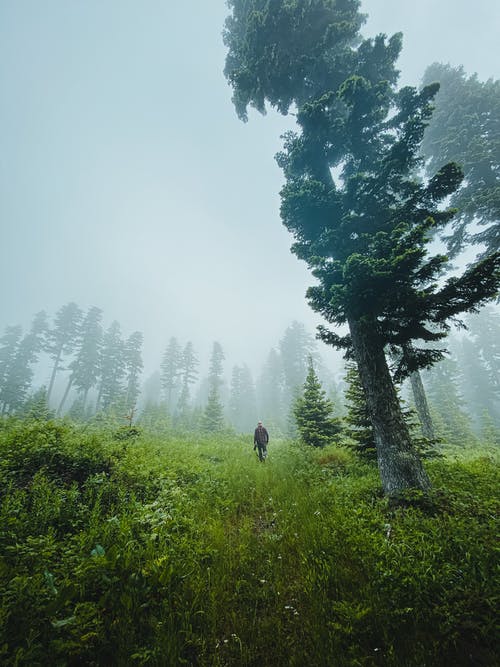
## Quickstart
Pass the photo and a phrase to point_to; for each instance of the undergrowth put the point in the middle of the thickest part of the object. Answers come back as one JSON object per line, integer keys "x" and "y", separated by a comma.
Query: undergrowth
{"x": 155, "y": 551}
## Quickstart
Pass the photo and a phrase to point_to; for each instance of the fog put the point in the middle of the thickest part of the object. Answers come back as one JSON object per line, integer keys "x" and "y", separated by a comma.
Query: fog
{"x": 128, "y": 183}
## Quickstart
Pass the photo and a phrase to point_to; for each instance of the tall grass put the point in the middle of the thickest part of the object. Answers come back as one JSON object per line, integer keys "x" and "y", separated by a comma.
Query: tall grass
{"x": 158, "y": 551}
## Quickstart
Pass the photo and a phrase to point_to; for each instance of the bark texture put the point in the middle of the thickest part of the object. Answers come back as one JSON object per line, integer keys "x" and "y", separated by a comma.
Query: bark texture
{"x": 399, "y": 464}
{"x": 422, "y": 406}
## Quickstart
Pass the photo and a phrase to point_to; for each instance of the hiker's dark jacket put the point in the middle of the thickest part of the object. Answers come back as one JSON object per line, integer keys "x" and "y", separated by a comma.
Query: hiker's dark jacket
{"x": 261, "y": 436}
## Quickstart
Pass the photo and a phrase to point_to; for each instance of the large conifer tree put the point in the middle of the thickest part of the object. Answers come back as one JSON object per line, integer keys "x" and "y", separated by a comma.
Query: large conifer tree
{"x": 188, "y": 375}
{"x": 213, "y": 414}
{"x": 85, "y": 367}
{"x": 296, "y": 347}
{"x": 111, "y": 367}
{"x": 133, "y": 368}
{"x": 364, "y": 231}
{"x": 62, "y": 338}
{"x": 170, "y": 372}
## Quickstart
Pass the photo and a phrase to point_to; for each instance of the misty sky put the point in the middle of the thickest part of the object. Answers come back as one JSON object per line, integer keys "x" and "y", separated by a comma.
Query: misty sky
{"x": 127, "y": 181}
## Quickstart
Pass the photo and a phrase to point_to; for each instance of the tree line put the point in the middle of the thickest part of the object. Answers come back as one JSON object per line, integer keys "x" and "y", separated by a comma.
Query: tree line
{"x": 103, "y": 374}
{"x": 175, "y": 396}
{"x": 91, "y": 370}
{"x": 94, "y": 360}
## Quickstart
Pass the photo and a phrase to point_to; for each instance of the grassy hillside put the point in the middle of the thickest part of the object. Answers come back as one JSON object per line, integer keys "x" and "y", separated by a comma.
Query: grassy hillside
{"x": 165, "y": 551}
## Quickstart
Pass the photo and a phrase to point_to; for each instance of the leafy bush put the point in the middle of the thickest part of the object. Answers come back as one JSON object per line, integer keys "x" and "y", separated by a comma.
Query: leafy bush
{"x": 66, "y": 454}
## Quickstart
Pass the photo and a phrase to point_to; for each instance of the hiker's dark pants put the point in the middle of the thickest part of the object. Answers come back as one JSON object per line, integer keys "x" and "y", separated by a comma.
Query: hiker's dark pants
{"x": 262, "y": 451}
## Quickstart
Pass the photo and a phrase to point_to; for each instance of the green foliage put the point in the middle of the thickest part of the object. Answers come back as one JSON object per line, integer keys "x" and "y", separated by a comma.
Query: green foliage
{"x": 213, "y": 415}
{"x": 17, "y": 357}
{"x": 464, "y": 129}
{"x": 277, "y": 51}
{"x": 37, "y": 406}
{"x": 452, "y": 423}
{"x": 62, "y": 452}
{"x": 361, "y": 216}
{"x": 359, "y": 427}
{"x": 112, "y": 368}
{"x": 242, "y": 400}
{"x": 170, "y": 371}
{"x": 155, "y": 418}
{"x": 133, "y": 368}
{"x": 184, "y": 551}
{"x": 62, "y": 338}
{"x": 87, "y": 363}
{"x": 314, "y": 413}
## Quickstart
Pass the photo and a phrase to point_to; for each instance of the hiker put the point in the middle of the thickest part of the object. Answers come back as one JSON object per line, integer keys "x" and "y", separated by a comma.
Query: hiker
{"x": 260, "y": 440}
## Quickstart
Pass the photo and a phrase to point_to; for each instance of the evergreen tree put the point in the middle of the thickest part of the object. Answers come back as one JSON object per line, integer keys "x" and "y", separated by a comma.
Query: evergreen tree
{"x": 484, "y": 329}
{"x": 170, "y": 372}
{"x": 62, "y": 338}
{"x": 151, "y": 390}
{"x": 359, "y": 425}
{"x": 334, "y": 393}
{"x": 37, "y": 406}
{"x": 19, "y": 375}
{"x": 418, "y": 392}
{"x": 296, "y": 346}
{"x": 111, "y": 368}
{"x": 465, "y": 129}
{"x": 314, "y": 413}
{"x": 451, "y": 421}
{"x": 85, "y": 367}
{"x": 242, "y": 400}
{"x": 188, "y": 375}
{"x": 478, "y": 392}
{"x": 9, "y": 345}
{"x": 196, "y": 418}
{"x": 363, "y": 232}
{"x": 215, "y": 370}
{"x": 490, "y": 432}
{"x": 133, "y": 368}
{"x": 78, "y": 411}
{"x": 213, "y": 414}
{"x": 270, "y": 392}
{"x": 422, "y": 405}
{"x": 155, "y": 418}
{"x": 235, "y": 397}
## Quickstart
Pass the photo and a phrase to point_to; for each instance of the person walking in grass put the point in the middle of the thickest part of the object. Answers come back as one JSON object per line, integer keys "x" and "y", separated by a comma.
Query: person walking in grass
{"x": 260, "y": 440}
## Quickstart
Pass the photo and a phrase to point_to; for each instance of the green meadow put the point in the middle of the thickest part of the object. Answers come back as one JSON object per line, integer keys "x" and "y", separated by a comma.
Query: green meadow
{"x": 177, "y": 550}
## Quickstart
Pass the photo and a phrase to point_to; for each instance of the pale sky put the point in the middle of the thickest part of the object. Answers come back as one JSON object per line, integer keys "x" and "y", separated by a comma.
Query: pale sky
{"x": 127, "y": 181}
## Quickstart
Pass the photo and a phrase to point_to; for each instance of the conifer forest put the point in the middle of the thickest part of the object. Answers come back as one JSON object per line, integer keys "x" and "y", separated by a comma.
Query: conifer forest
{"x": 217, "y": 216}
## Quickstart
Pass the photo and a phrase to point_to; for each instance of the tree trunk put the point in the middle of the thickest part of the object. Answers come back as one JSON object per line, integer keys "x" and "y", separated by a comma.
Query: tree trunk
{"x": 98, "y": 401}
{"x": 63, "y": 400}
{"x": 422, "y": 406}
{"x": 54, "y": 372}
{"x": 399, "y": 464}
{"x": 84, "y": 400}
